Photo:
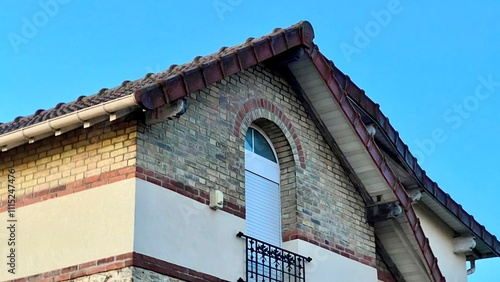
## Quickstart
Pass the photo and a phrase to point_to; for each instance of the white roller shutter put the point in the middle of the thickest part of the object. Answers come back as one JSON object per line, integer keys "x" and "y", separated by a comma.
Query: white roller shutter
{"x": 263, "y": 209}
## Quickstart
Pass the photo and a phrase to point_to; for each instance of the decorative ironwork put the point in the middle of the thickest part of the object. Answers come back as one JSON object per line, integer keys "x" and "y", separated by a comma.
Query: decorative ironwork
{"x": 268, "y": 263}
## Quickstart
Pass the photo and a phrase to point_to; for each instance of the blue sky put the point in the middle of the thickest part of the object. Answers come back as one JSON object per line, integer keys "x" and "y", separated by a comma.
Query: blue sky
{"x": 433, "y": 67}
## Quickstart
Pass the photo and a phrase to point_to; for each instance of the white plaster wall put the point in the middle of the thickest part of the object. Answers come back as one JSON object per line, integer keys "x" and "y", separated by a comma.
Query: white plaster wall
{"x": 179, "y": 230}
{"x": 329, "y": 266}
{"x": 72, "y": 229}
{"x": 452, "y": 266}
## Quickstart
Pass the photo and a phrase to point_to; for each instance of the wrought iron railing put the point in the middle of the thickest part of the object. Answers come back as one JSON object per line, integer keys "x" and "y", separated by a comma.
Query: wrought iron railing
{"x": 268, "y": 263}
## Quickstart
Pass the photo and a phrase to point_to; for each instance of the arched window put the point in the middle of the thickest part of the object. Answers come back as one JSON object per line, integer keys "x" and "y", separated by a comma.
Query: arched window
{"x": 262, "y": 190}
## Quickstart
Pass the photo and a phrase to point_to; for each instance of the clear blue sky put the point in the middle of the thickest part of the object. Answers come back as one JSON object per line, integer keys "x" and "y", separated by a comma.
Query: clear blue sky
{"x": 433, "y": 67}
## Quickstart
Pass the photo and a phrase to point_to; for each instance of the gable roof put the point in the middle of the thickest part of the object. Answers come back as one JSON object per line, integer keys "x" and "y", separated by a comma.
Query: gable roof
{"x": 177, "y": 81}
{"x": 488, "y": 246}
{"x": 155, "y": 90}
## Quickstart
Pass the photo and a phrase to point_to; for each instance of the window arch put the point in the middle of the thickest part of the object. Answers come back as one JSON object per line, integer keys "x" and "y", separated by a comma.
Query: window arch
{"x": 262, "y": 188}
{"x": 257, "y": 142}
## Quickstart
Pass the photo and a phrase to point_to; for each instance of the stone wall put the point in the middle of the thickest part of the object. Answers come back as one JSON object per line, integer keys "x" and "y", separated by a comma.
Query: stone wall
{"x": 126, "y": 274}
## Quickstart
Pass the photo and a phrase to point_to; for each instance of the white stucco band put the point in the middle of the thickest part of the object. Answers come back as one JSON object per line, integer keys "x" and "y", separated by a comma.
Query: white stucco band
{"x": 179, "y": 230}
{"x": 70, "y": 230}
{"x": 329, "y": 266}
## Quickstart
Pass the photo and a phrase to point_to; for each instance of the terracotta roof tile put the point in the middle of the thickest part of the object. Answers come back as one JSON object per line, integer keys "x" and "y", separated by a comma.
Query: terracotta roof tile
{"x": 128, "y": 87}
{"x": 80, "y": 103}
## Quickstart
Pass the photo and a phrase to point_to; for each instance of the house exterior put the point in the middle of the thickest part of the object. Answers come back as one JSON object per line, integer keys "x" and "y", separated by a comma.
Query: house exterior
{"x": 262, "y": 161}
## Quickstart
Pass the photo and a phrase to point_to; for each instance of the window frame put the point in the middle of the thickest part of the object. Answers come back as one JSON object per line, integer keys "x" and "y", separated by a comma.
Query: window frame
{"x": 263, "y": 169}
{"x": 268, "y": 170}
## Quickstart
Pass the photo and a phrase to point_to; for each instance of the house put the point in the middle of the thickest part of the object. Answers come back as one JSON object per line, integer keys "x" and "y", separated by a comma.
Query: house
{"x": 262, "y": 161}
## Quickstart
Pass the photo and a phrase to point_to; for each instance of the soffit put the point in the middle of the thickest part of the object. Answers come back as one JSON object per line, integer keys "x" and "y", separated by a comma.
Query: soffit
{"x": 442, "y": 205}
{"x": 398, "y": 238}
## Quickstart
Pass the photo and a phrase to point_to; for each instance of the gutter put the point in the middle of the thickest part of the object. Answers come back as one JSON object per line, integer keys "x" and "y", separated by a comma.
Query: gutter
{"x": 56, "y": 126}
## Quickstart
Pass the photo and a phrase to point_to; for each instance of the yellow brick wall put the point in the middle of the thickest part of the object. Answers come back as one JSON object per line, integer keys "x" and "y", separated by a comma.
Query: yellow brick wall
{"x": 71, "y": 157}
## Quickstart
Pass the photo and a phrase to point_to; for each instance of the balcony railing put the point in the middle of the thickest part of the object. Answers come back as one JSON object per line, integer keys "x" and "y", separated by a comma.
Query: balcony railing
{"x": 268, "y": 263}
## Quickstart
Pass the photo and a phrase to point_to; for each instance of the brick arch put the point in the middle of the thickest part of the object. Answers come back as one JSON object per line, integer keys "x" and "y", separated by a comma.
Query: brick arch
{"x": 262, "y": 108}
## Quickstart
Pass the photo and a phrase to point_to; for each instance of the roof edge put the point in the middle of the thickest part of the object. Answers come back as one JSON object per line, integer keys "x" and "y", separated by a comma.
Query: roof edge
{"x": 326, "y": 70}
{"x": 226, "y": 62}
{"x": 58, "y": 125}
{"x": 431, "y": 187}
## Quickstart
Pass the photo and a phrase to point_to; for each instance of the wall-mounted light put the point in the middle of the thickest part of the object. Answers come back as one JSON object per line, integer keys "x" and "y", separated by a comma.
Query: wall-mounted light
{"x": 216, "y": 199}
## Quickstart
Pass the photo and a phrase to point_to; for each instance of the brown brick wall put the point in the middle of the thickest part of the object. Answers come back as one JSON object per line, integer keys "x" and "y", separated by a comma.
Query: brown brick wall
{"x": 204, "y": 150}
{"x": 75, "y": 158}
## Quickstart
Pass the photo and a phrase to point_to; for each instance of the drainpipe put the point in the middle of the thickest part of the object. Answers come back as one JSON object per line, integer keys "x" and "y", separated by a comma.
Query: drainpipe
{"x": 472, "y": 268}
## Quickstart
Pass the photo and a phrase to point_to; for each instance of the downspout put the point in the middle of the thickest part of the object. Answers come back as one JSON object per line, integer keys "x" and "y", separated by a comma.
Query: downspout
{"x": 472, "y": 268}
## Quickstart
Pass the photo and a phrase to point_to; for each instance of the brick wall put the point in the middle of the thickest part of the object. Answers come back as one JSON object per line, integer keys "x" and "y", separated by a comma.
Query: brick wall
{"x": 204, "y": 150}
{"x": 79, "y": 159}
